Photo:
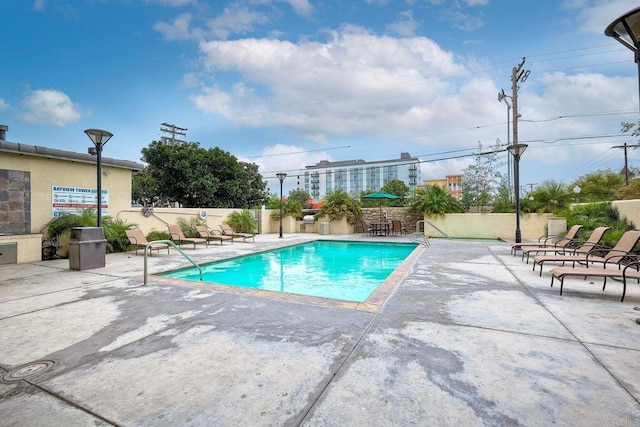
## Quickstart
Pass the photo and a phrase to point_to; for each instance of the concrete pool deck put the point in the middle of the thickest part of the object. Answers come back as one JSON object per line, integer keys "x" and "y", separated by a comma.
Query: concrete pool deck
{"x": 470, "y": 335}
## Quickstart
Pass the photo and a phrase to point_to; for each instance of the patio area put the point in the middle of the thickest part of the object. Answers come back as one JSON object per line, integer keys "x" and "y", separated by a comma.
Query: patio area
{"x": 469, "y": 336}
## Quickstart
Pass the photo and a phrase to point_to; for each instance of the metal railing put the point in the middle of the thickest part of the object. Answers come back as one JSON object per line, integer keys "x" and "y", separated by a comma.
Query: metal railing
{"x": 169, "y": 242}
{"x": 424, "y": 222}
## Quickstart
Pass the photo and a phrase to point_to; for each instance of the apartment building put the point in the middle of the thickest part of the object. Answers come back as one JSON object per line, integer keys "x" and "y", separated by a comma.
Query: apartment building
{"x": 355, "y": 176}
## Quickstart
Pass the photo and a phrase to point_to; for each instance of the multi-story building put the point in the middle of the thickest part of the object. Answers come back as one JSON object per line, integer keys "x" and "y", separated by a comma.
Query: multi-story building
{"x": 355, "y": 176}
{"x": 451, "y": 183}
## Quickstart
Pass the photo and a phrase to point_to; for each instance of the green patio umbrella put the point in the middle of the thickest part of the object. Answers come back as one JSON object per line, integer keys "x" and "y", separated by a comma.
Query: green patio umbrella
{"x": 380, "y": 195}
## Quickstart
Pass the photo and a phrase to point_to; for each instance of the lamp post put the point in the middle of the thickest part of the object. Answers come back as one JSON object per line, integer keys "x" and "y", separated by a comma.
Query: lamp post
{"x": 516, "y": 151}
{"x": 281, "y": 176}
{"x": 99, "y": 138}
{"x": 626, "y": 29}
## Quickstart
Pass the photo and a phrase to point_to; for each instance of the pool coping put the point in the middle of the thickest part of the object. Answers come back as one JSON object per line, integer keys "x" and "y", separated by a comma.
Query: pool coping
{"x": 374, "y": 302}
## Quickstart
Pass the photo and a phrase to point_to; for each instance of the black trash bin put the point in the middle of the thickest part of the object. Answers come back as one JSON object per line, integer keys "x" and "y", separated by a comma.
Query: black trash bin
{"x": 87, "y": 248}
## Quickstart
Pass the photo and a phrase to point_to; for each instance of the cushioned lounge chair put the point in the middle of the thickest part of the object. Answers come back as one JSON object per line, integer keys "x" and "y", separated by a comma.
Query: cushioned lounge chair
{"x": 629, "y": 271}
{"x": 212, "y": 235}
{"x": 137, "y": 238}
{"x": 574, "y": 247}
{"x": 178, "y": 236}
{"x": 596, "y": 254}
{"x": 549, "y": 241}
{"x": 228, "y": 231}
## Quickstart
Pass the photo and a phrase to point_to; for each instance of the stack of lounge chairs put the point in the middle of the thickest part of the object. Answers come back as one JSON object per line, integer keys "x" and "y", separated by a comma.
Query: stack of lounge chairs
{"x": 588, "y": 258}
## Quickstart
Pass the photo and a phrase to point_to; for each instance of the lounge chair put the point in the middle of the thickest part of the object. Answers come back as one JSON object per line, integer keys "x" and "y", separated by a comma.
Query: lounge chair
{"x": 629, "y": 271}
{"x": 137, "y": 238}
{"x": 212, "y": 235}
{"x": 178, "y": 236}
{"x": 573, "y": 247}
{"x": 550, "y": 240}
{"x": 596, "y": 253}
{"x": 228, "y": 231}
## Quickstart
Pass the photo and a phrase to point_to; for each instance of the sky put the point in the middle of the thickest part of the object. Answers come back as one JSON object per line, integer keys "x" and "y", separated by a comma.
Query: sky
{"x": 288, "y": 83}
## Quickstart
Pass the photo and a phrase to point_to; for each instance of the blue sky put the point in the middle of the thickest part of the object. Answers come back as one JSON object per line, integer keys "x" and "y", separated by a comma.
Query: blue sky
{"x": 287, "y": 83}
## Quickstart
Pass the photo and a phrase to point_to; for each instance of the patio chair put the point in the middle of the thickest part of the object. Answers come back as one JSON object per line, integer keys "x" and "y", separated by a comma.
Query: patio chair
{"x": 397, "y": 228}
{"x": 550, "y": 240}
{"x": 366, "y": 227}
{"x": 622, "y": 273}
{"x": 596, "y": 253}
{"x": 137, "y": 238}
{"x": 178, "y": 236}
{"x": 212, "y": 235}
{"x": 572, "y": 246}
{"x": 228, "y": 231}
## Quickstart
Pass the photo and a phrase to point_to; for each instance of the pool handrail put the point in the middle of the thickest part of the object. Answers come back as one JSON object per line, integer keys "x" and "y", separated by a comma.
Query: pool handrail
{"x": 424, "y": 221}
{"x": 170, "y": 242}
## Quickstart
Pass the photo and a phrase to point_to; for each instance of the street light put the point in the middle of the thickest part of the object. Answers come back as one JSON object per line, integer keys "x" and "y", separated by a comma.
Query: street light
{"x": 626, "y": 29}
{"x": 516, "y": 151}
{"x": 281, "y": 176}
{"x": 99, "y": 138}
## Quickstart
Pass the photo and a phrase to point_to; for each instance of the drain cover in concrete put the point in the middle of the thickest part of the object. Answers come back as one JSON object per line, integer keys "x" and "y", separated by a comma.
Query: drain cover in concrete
{"x": 28, "y": 370}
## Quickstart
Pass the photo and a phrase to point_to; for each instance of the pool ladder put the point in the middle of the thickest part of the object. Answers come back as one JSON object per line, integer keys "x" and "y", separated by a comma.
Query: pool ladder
{"x": 169, "y": 242}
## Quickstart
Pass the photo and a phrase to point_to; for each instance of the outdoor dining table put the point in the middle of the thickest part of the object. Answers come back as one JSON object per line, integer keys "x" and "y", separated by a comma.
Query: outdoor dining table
{"x": 380, "y": 228}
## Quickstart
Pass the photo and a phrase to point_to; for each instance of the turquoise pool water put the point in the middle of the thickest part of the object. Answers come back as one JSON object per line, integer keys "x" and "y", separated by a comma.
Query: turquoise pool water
{"x": 330, "y": 269}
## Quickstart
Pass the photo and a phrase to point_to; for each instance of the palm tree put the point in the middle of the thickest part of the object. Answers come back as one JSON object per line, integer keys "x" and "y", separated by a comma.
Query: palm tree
{"x": 338, "y": 204}
{"x": 434, "y": 200}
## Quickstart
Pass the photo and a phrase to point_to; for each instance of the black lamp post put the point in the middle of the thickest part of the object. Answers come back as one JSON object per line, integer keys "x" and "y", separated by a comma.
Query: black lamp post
{"x": 626, "y": 29}
{"x": 99, "y": 138}
{"x": 281, "y": 176}
{"x": 516, "y": 151}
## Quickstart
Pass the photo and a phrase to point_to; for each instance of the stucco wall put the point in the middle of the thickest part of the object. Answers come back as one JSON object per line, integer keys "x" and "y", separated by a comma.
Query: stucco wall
{"x": 46, "y": 172}
{"x": 630, "y": 209}
{"x": 488, "y": 225}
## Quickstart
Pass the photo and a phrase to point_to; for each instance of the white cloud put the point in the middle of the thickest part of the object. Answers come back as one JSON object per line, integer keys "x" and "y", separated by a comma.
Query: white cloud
{"x": 172, "y": 3}
{"x": 178, "y": 29}
{"x": 235, "y": 19}
{"x": 38, "y": 5}
{"x": 301, "y": 7}
{"x": 3, "y": 105}
{"x": 355, "y": 82}
{"x": 595, "y": 16}
{"x": 49, "y": 107}
{"x": 405, "y": 25}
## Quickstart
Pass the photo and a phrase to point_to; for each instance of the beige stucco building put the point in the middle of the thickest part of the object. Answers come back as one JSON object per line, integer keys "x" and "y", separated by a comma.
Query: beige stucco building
{"x": 38, "y": 182}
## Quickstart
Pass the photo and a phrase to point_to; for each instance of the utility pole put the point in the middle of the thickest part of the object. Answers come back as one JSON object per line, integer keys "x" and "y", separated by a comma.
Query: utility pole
{"x": 172, "y": 130}
{"x": 626, "y": 164}
{"x": 517, "y": 75}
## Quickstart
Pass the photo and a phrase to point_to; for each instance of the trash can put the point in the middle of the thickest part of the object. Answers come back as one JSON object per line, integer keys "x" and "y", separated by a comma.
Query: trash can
{"x": 323, "y": 228}
{"x": 87, "y": 248}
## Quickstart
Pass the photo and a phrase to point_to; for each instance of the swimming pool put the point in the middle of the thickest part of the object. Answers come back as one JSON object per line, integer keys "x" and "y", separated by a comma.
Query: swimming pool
{"x": 345, "y": 270}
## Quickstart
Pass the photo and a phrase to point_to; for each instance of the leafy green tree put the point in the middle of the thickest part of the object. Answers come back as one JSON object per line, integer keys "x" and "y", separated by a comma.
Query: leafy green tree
{"x": 480, "y": 180}
{"x": 597, "y": 186}
{"x": 628, "y": 192}
{"x": 194, "y": 176}
{"x": 502, "y": 201}
{"x": 399, "y": 188}
{"x": 433, "y": 200}
{"x": 300, "y": 195}
{"x": 338, "y": 204}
